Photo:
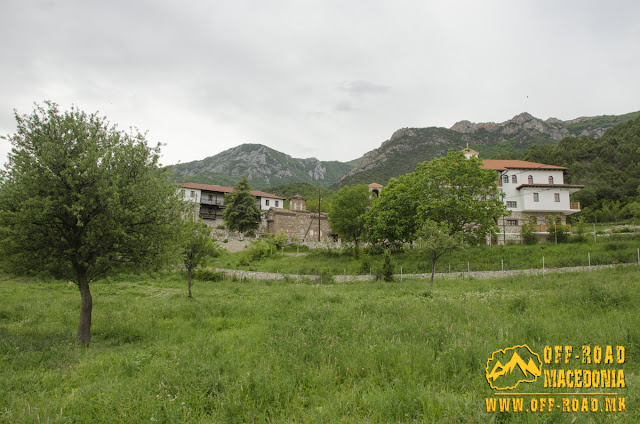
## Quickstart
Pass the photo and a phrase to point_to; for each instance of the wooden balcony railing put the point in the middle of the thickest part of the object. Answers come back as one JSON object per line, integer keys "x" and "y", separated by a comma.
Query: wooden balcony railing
{"x": 574, "y": 205}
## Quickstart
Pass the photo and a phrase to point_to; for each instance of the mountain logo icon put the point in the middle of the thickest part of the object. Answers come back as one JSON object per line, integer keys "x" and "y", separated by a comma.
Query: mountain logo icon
{"x": 521, "y": 364}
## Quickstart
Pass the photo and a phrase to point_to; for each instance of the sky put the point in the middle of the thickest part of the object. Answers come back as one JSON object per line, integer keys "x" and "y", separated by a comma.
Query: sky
{"x": 327, "y": 79}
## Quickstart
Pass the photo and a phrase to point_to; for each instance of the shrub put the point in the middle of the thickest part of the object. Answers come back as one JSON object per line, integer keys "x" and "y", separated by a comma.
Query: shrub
{"x": 557, "y": 231}
{"x": 385, "y": 272}
{"x": 325, "y": 277}
{"x": 207, "y": 275}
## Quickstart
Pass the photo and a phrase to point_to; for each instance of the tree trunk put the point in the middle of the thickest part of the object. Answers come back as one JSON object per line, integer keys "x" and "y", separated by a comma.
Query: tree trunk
{"x": 84, "y": 326}
{"x": 433, "y": 272}
{"x": 189, "y": 280}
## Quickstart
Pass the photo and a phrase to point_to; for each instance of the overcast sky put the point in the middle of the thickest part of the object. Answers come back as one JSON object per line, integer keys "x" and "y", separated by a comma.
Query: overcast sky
{"x": 326, "y": 79}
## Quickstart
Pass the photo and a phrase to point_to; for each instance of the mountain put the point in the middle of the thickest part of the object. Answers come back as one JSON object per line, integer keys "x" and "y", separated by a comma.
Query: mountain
{"x": 409, "y": 146}
{"x": 265, "y": 167}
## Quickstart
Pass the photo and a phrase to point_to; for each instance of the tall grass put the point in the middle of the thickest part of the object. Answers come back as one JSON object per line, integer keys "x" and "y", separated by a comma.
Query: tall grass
{"x": 615, "y": 249}
{"x": 281, "y": 352}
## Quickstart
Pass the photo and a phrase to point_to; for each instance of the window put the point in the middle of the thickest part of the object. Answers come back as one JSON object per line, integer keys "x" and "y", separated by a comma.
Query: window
{"x": 512, "y": 222}
{"x": 535, "y": 197}
{"x": 550, "y": 180}
{"x": 511, "y": 204}
{"x": 556, "y": 197}
{"x": 266, "y": 202}
{"x": 211, "y": 197}
{"x": 505, "y": 179}
{"x": 276, "y": 203}
{"x": 530, "y": 179}
{"x": 514, "y": 179}
{"x": 193, "y": 193}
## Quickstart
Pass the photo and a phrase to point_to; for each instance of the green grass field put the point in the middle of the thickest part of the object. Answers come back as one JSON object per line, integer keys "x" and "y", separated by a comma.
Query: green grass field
{"x": 280, "y": 352}
{"x": 615, "y": 249}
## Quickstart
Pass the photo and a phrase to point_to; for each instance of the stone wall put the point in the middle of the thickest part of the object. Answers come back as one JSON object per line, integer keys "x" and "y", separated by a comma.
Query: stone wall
{"x": 299, "y": 225}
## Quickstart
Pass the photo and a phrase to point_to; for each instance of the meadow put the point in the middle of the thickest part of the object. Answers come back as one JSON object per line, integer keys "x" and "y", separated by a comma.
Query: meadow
{"x": 276, "y": 351}
{"x": 262, "y": 256}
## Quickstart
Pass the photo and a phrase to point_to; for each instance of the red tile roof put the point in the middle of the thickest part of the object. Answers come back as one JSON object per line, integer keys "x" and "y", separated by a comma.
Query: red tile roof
{"x": 208, "y": 187}
{"x": 375, "y": 185}
{"x": 502, "y": 165}
{"x": 223, "y": 189}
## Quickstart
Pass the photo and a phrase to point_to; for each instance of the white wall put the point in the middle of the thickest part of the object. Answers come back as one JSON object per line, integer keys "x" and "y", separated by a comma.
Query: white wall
{"x": 267, "y": 203}
{"x": 524, "y": 196}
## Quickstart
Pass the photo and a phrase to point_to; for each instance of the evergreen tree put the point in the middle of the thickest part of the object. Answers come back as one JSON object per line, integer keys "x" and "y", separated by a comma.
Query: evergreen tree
{"x": 242, "y": 212}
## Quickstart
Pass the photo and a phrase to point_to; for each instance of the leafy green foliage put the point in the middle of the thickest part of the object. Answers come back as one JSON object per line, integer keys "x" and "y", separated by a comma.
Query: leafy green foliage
{"x": 78, "y": 198}
{"x": 392, "y": 217}
{"x": 386, "y": 270}
{"x": 452, "y": 190}
{"x": 347, "y": 213}
{"x": 608, "y": 166}
{"x": 528, "y": 231}
{"x": 242, "y": 212}
{"x": 437, "y": 238}
{"x": 557, "y": 232}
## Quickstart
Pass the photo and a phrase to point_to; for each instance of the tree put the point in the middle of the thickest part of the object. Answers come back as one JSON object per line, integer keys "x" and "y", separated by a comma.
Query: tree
{"x": 453, "y": 189}
{"x": 459, "y": 192}
{"x": 528, "y": 231}
{"x": 347, "y": 213}
{"x": 392, "y": 217}
{"x": 78, "y": 197}
{"x": 436, "y": 239}
{"x": 242, "y": 212}
{"x": 557, "y": 231}
{"x": 197, "y": 246}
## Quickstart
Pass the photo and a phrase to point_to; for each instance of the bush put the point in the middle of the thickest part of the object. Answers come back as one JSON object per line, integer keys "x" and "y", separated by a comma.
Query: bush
{"x": 557, "y": 231}
{"x": 207, "y": 275}
{"x": 325, "y": 277}
{"x": 365, "y": 266}
{"x": 385, "y": 272}
{"x": 529, "y": 237}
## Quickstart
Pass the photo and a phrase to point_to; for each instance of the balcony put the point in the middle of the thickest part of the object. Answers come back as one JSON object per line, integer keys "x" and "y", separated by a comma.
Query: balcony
{"x": 574, "y": 205}
{"x": 215, "y": 202}
{"x": 204, "y": 215}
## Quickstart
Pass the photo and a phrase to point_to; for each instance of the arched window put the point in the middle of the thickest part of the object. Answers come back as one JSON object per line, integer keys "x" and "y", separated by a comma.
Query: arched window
{"x": 514, "y": 179}
{"x": 530, "y": 179}
{"x": 505, "y": 179}
{"x": 550, "y": 179}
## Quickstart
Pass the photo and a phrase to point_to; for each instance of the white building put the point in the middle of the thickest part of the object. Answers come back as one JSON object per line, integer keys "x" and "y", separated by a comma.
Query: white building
{"x": 530, "y": 191}
{"x": 210, "y": 199}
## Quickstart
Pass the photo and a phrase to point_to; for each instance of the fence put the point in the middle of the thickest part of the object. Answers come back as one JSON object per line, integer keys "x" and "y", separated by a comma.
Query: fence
{"x": 458, "y": 269}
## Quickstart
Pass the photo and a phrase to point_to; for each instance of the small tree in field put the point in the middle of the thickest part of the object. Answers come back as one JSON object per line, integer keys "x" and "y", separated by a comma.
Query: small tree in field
{"x": 437, "y": 238}
{"x": 528, "y": 229}
{"x": 197, "y": 246}
{"x": 242, "y": 212}
{"x": 79, "y": 197}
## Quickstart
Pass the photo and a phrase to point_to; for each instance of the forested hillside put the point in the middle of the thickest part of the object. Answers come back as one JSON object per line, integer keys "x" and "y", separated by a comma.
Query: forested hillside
{"x": 506, "y": 140}
{"x": 307, "y": 190}
{"x": 608, "y": 166}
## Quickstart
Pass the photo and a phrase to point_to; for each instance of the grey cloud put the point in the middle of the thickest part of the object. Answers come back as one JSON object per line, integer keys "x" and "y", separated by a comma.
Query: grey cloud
{"x": 359, "y": 88}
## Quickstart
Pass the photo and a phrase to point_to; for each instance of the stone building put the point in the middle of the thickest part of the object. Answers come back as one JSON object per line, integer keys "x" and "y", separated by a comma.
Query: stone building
{"x": 297, "y": 222}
